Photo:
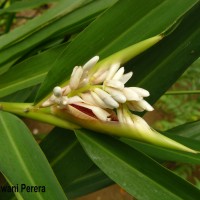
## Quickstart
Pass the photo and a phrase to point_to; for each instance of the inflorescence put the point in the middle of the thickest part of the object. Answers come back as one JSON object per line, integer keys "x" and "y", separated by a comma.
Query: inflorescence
{"x": 102, "y": 92}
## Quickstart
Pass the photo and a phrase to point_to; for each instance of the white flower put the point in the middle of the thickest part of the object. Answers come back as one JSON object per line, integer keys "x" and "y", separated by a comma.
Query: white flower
{"x": 97, "y": 94}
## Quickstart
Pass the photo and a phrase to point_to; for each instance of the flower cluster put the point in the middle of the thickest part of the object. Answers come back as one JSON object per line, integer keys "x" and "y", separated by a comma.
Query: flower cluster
{"x": 100, "y": 94}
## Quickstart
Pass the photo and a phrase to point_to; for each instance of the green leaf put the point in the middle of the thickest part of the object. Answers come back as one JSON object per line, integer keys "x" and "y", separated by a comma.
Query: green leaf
{"x": 157, "y": 69}
{"x": 64, "y": 19}
{"x": 40, "y": 22}
{"x": 19, "y": 96}
{"x": 188, "y": 130}
{"x": 32, "y": 71}
{"x": 124, "y": 30}
{"x": 22, "y": 5}
{"x": 24, "y": 162}
{"x": 139, "y": 175}
{"x": 65, "y": 155}
{"x": 168, "y": 154}
{"x": 94, "y": 179}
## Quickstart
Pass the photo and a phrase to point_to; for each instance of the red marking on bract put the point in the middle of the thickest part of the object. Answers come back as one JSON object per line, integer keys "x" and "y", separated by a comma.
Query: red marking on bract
{"x": 87, "y": 111}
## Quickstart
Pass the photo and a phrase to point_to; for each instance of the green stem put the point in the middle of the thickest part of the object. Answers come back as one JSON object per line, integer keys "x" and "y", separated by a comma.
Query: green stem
{"x": 43, "y": 115}
{"x": 183, "y": 92}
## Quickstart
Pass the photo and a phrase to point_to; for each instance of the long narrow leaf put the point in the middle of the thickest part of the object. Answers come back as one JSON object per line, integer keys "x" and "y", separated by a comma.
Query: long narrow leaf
{"x": 136, "y": 173}
{"x": 22, "y": 161}
{"x": 65, "y": 155}
{"x": 22, "y": 5}
{"x": 32, "y": 71}
{"x": 168, "y": 154}
{"x": 156, "y": 70}
{"x": 59, "y": 21}
{"x": 91, "y": 181}
{"x": 189, "y": 130}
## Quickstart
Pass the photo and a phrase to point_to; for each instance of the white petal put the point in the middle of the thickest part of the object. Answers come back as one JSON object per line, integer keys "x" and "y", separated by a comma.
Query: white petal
{"x": 58, "y": 100}
{"x": 76, "y": 77}
{"x": 131, "y": 95}
{"x": 115, "y": 84}
{"x": 128, "y": 120}
{"x": 88, "y": 65}
{"x": 57, "y": 91}
{"x": 74, "y": 99}
{"x": 64, "y": 101}
{"x": 98, "y": 112}
{"x": 116, "y": 94}
{"x": 112, "y": 71}
{"x": 108, "y": 100}
{"x": 52, "y": 98}
{"x": 101, "y": 78}
{"x": 145, "y": 105}
{"x": 87, "y": 98}
{"x": 74, "y": 70}
{"x": 66, "y": 90}
{"x": 120, "y": 115}
{"x": 124, "y": 117}
{"x": 83, "y": 82}
{"x": 99, "y": 101}
{"x": 126, "y": 77}
{"x": 47, "y": 103}
{"x": 132, "y": 105}
{"x": 118, "y": 74}
{"x": 142, "y": 92}
{"x": 99, "y": 72}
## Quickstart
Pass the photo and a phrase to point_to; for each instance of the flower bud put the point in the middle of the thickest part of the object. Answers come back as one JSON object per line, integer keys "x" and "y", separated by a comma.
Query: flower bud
{"x": 99, "y": 101}
{"x": 112, "y": 71}
{"x": 118, "y": 75}
{"x": 108, "y": 100}
{"x": 74, "y": 99}
{"x": 76, "y": 77}
{"x": 115, "y": 84}
{"x": 57, "y": 91}
{"x": 142, "y": 92}
{"x": 116, "y": 94}
{"x": 88, "y": 99}
{"x": 131, "y": 95}
{"x": 99, "y": 79}
{"x": 145, "y": 105}
{"x": 89, "y": 64}
{"x": 126, "y": 77}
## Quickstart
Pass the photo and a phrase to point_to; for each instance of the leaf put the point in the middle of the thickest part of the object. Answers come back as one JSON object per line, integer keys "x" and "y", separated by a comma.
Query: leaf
{"x": 132, "y": 169}
{"x": 157, "y": 69}
{"x": 65, "y": 155}
{"x": 22, "y": 5}
{"x": 19, "y": 96}
{"x": 64, "y": 19}
{"x": 24, "y": 162}
{"x": 167, "y": 154}
{"x": 32, "y": 71}
{"x": 188, "y": 130}
{"x": 39, "y": 22}
{"x": 91, "y": 181}
{"x": 127, "y": 29}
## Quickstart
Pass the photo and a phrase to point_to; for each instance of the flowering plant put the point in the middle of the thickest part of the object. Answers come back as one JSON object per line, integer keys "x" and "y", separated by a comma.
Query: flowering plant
{"x": 92, "y": 82}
